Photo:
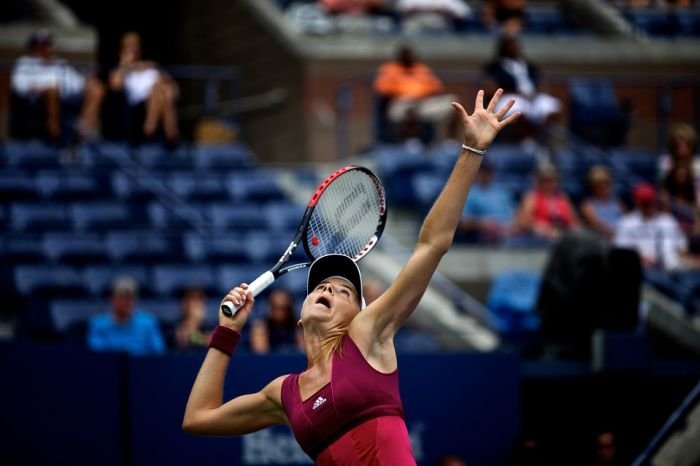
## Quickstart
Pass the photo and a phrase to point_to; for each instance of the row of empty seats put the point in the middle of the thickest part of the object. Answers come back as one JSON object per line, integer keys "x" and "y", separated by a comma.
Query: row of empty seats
{"x": 161, "y": 280}
{"x": 143, "y": 247}
{"x": 115, "y": 215}
{"x": 36, "y": 155}
{"x": 260, "y": 185}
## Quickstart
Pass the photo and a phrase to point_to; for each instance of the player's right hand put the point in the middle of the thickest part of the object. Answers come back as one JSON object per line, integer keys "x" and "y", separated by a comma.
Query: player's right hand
{"x": 238, "y": 295}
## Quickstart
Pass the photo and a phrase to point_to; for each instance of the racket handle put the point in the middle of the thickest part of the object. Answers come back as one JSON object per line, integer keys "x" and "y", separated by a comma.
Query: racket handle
{"x": 258, "y": 285}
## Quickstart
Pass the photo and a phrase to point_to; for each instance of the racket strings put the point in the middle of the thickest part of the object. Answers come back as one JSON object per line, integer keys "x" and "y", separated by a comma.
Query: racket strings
{"x": 347, "y": 216}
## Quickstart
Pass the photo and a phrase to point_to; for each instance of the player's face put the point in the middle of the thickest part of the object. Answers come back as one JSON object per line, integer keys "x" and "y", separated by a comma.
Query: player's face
{"x": 333, "y": 300}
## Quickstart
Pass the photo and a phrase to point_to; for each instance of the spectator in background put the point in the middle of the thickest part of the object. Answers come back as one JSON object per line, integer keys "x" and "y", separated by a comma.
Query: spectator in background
{"x": 667, "y": 259}
{"x": 125, "y": 328}
{"x": 655, "y": 235}
{"x": 450, "y": 460}
{"x": 489, "y": 211}
{"x": 190, "y": 331}
{"x": 148, "y": 92}
{"x": 605, "y": 450}
{"x": 520, "y": 80}
{"x": 49, "y": 95}
{"x": 545, "y": 212}
{"x": 603, "y": 209}
{"x": 411, "y": 96}
{"x": 504, "y": 16}
{"x": 678, "y": 197}
{"x": 352, "y": 7}
{"x": 279, "y": 330}
{"x": 682, "y": 145}
{"x": 440, "y": 15}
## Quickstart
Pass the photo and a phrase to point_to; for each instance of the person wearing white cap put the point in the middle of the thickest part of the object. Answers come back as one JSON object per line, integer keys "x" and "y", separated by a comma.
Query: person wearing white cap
{"x": 345, "y": 408}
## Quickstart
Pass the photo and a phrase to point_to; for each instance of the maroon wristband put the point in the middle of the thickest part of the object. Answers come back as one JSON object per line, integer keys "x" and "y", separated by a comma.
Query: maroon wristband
{"x": 224, "y": 339}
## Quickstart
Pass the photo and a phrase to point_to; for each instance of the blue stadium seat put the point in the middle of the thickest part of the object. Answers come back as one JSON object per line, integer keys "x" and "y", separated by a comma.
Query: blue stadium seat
{"x": 22, "y": 249}
{"x": 284, "y": 216}
{"x": 68, "y": 313}
{"x": 511, "y": 301}
{"x": 98, "y": 278}
{"x": 101, "y": 215}
{"x": 656, "y": 22}
{"x": 200, "y": 187}
{"x": 266, "y": 246}
{"x": 177, "y": 218}
{"x": 72, "y": 248}
{"x": 546, "y": 20}
{"x": 71, "y": 186}
{"x": 229, "y": 248}
{"x": 140, "y": 247}
{"x": 39, "y": 217}
{"x": 641, "y": 163}
{"x": 17, "y": 186}
{"x": 49, "y": 281}
{"x": 131, "y": 189}
{"x": 237, "y": 217}
{"x": 511, "y": 159}
{"x": 170, "y": 280}
{"x": 427, "y": 186}
{"x": 32, "y": 155}
{"x": 595, "y": 113}
{"x": 255, "y": 186}
{"x": 160, "y": 158}
{"x": 229, "y": 276}
{"x": 217, "y": 156}
{"x": 396, "y": 166}
{"x": 166, "y": 311}
{"x": 412, "y": 340}
{"x": 105, "y": 155}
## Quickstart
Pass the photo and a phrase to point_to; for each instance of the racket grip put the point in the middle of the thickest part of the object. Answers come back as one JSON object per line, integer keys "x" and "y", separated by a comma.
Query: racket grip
{"x": 259, "y": 284}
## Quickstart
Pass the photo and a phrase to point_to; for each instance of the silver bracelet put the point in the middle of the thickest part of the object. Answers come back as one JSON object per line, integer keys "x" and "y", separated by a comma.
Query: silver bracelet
{"x": 471, "y": 149}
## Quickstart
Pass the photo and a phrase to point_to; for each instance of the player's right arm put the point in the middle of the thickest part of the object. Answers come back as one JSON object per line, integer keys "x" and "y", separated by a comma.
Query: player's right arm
{"x": 206, "y": 413}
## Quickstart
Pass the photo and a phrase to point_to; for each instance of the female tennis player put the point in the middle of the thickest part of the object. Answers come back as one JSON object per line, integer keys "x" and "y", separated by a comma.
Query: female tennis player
{"x": 345, "y": 408}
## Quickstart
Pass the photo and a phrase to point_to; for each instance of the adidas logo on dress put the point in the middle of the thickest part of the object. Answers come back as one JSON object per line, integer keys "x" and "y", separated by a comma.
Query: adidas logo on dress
{"x": 319, "y": 401}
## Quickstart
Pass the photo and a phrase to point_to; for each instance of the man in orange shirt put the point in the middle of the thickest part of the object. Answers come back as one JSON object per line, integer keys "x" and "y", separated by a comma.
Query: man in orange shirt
{"x": 412, "y": 91}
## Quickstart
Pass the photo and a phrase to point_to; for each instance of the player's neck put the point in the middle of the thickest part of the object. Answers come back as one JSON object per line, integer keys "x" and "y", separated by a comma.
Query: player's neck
{"x": 319, "y": 347}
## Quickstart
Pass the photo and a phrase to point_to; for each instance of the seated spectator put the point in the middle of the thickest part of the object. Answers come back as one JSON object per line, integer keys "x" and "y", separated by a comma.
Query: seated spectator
{"x": 125, "y": 328}
{"x": 489, "y": 211}
{"x": 441, "y": 15}
{"x": 682, "y": 145}
{"x": 50, "y": 98}
{"x": 450, "y": 460}
{"x": 410, "y": 95}
{"x": 505, "y": 16}
{"x": 603, "y": 209}
{"x": 190, "y": 331}
{"x": 604, "y": 450}
{"x": 353, "y": 7}
{"x": 520, "y": 80}
{"x": 655, "y": 235}
{"x": 279, "y": 330}
{"x": 545, "y": 212}
{"x": 679, "y": 198}
{"x": 148, "y": 93}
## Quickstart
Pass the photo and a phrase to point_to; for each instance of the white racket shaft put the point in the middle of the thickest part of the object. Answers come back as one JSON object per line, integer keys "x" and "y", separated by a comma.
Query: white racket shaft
{"x": 259, "y": 284}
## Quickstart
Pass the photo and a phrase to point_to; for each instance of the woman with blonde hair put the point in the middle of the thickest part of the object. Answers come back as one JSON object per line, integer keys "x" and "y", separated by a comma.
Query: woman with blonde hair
{"x": 345, "y": 408}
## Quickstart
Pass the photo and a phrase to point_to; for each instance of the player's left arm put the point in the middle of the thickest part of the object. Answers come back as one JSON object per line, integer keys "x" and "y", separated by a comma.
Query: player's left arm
{"x": 378, "y": 324}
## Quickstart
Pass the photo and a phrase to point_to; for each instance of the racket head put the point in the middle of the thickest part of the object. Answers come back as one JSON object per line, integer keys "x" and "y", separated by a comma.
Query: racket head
{"x": 348, "y": 214}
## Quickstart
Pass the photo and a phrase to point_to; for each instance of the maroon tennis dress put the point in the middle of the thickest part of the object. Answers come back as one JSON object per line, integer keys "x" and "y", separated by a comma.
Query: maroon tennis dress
{"x": 355, "y": 419}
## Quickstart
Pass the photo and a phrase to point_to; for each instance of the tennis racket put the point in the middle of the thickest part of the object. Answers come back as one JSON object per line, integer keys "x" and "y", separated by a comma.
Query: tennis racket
{"x": 346, "y": 215}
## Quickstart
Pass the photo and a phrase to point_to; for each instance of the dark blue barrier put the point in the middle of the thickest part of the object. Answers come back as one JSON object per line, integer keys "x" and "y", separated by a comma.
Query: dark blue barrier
{"x": 60, "y": 406}
{"x": 66, "y": 407}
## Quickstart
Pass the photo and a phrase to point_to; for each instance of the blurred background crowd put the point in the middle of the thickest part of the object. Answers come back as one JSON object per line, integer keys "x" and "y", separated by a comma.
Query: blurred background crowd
{"x": 153, "y": 155}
